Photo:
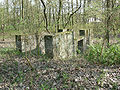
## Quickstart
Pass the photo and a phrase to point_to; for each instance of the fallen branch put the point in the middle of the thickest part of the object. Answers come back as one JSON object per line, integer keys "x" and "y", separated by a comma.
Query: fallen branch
{"x": 29, "y": 63}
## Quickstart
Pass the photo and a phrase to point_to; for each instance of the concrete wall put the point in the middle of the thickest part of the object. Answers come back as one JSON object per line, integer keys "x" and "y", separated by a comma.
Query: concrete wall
{"x": 25, "y": 43}
{"x": 40, "y": 43}
{"x": 60, "y": 45}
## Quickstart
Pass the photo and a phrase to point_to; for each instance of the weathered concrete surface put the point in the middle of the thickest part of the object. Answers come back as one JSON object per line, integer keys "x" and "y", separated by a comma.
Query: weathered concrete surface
{"x": 25, "y": 43}
{"x": 40, "y": 42}
{"x": 91, "y": 35}
{"x": 60, "y": 45}
{"x": 87, "y": 34}
{"x": 35, "y": 42}
{"x": 82, "y": 40}
{"x": 7, "y": 44}
{"x": 64, "y": 30}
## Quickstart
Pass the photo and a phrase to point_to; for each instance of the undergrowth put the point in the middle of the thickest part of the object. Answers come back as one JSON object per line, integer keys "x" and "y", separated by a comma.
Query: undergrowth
{"x": 103, "y": 55}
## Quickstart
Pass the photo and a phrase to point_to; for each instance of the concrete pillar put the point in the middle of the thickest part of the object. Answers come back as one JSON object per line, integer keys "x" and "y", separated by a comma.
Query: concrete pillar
{"x": 60, "y": 46}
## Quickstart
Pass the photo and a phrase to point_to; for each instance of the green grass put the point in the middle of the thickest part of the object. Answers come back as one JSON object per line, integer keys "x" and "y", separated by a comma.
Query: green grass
{"x": 8, "y": 51}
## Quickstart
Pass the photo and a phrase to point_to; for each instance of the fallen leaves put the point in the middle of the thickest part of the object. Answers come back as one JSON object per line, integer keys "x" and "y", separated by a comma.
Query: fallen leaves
{"x": 68, "y": 74}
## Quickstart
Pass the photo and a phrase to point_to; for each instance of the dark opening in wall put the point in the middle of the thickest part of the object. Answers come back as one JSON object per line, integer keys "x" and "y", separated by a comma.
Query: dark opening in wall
{"x": 69, "y": 30}
{"x": 49, "y": 46}
{"x": 80, "y": 45}
{"x": 82, "y": 32}
{"x": 60, "y": 30}
{"x": 18, "y": 42}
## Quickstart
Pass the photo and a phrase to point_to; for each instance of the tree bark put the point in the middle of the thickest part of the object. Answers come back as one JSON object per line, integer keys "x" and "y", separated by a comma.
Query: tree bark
{"x": 59, "y": 13}
{"x": 107, "y": 21}
{"x": 46, "y": 21}
{"x": 72, "y": 12}
{"x": 22, "y": 9}
{"x": 84, "y": 5}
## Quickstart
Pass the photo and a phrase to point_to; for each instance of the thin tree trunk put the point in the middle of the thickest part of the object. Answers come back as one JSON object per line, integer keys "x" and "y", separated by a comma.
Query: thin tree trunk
{"x": 68, "y": 10}
{"x": 62, "y": 18}
{"x": 46, "y": 21}
{"x": 59, "y": 13}
{"x": 77, "y": 16}
{"x": 107, "y": 21}
{"x": 71, "y": 16}
{"x": 14, "y": 16}
{"x": 49, "y": 16}
{"x": 53, "y": 18}
{"x": 7, "y": 7}
{"x": 84, "y": 5}
{"x": 72, "y": 12}
{"x": 22, "y": 9}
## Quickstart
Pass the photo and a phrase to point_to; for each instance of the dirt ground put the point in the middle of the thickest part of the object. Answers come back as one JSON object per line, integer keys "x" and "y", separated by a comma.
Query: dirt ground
{"x": 72, "y": 74}
{"x": 48, "y": 74}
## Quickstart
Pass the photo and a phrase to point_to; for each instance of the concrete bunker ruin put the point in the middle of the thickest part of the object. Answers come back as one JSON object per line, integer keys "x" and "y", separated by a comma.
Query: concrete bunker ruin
{"x": 61, "y": 45}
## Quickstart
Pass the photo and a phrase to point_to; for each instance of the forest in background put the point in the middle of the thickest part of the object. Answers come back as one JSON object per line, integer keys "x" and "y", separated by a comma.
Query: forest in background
{"x": 97, "y": 68}
{"x": 39, "y": 15}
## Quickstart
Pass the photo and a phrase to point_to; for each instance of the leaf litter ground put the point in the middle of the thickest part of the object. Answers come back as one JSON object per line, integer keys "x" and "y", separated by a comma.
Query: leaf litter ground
{"x": 72, "y": 74}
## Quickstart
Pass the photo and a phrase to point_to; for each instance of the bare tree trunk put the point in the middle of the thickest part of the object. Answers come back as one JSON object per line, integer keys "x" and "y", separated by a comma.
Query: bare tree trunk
{"x": 71, "y": 16}
{"x": 72, "y": 12}
{"x": 46, "y": 21}
{"x": 59, "y": 13}
{"x": 107, "y": 21}
{"x": 22, "y": 9}
{"x": 62, "y": 18}
{"x": 49, "y": 16}
{"x": 68, "y": 10}
{"x": 79, "y": 12}
{"x": 77, "y": 16}
{"x": 53, "y": 18}
{"x": 14, "y": 24}
{"x": 7, "y": 7}
{"x": 76, "y": 4}
{"x": 84, "y": 5}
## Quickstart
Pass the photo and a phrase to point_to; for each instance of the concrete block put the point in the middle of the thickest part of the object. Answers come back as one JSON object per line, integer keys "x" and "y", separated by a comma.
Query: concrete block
{"x": 60, "y": 45}
{"x": 25, "y": 43}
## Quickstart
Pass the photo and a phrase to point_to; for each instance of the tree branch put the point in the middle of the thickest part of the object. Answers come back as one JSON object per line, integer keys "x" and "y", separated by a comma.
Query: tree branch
{"x": 72, "y": 15}
{"x": 45, "y": 16}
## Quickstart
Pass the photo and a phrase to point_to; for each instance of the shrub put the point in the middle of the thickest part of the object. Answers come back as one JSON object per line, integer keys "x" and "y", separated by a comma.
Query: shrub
{"x": 98, "y": 54}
